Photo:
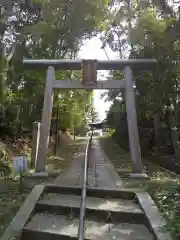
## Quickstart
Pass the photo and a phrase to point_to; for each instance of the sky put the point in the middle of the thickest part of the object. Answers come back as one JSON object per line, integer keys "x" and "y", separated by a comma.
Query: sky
{"x": 92, "y": 50}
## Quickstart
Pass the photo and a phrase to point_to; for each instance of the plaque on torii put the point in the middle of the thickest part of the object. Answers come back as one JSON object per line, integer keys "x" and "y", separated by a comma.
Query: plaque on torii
{"x": 89, "y": 73}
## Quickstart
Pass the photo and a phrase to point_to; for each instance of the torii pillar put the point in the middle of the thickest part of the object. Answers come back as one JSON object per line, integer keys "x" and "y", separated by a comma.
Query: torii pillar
{"x": 46, "y": 121}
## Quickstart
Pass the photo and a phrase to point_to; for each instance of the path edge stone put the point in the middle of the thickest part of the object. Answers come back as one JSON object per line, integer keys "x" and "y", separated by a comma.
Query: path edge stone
{"x": 155, "y": 219}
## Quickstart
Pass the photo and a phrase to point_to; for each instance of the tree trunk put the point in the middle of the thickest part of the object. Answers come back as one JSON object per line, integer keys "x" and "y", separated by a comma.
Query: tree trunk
{"x": 174, "y": 134}
{"x": 57, "y": 130}
{"x": 157, "y": 129}
{"x": 74, "y": 133}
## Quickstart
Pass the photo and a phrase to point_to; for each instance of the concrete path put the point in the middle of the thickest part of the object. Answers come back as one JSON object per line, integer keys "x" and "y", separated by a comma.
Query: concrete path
{"x": 100, "y": 173}
{"x": 73, "y": 174}
{"x": 105, "y": 175}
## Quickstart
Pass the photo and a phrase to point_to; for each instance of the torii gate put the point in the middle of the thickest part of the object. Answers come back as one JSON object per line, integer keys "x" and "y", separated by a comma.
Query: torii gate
{"x": 89, "y": 82}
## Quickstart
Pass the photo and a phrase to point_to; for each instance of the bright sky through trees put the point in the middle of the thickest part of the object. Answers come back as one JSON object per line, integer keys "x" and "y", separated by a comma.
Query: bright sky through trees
{"x": 92, "y": 50}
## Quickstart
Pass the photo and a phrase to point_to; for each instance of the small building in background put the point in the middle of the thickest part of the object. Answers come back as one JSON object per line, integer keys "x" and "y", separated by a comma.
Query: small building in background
{"x": 99, "y": 128}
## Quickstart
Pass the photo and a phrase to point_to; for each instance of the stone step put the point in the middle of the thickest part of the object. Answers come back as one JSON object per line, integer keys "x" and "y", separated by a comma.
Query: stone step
{"x": 102, "y": 208}
{"x": 52, "y": 227}
{"x": 122, "y": 193}
{"x": 70, "y": 200}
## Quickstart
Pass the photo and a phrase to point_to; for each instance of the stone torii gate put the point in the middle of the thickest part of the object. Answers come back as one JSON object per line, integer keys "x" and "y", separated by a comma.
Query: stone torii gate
{"x": 89, "y": 82}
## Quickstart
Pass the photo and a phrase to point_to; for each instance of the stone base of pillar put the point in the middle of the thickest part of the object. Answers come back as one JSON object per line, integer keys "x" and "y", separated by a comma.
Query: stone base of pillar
{"x": 43, "y": 174}
{"x": 40, "y": 174}
{"x": 139, "y": 176}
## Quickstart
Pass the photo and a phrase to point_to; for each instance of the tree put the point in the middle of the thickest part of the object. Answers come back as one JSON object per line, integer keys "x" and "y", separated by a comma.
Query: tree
{"x": 92, "y": 115}
{"x": 154, "y": 34}
{"x": 14, "y": 16}
{"x": 40, "y": 33}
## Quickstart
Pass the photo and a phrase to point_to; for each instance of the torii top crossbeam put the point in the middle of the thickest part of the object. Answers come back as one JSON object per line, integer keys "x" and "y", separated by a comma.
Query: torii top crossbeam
{"x": 78, "y": 64}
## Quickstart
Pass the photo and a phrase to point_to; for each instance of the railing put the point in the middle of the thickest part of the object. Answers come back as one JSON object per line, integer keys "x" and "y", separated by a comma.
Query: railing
{"x": 84, "y": 191}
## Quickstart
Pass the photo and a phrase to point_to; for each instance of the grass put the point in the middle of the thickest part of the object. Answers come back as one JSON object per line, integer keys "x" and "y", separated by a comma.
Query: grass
{"x": 11, "y": 199}
{"x": 164, "y": 186}
{"x": 65, "y": 154}
{"x": 10, "y": 202}
{"x": 119, "y": 157}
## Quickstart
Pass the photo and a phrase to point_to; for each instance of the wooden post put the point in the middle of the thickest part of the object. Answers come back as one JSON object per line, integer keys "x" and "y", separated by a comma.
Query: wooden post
{"x": 17, "y": 112}
{"x": 35, "y": 143}
{"x": 46, "y": 120}
{"x": 57, "y": 131}
{"x": 174, "y": 133}
{"x": 132, "y": 122}
{"x": 18, "y": 108}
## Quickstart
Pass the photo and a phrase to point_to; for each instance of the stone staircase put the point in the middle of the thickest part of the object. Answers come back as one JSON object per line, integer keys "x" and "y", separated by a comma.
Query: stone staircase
{"x": 110, "y": 214}
{"x": 51, "y": 211}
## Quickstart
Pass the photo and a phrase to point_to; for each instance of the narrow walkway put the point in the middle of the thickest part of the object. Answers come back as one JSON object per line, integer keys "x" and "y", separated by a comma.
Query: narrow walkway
{"x": 100, "y": 173}
{"x": 73, "y": 174}
{"x": 105, "y": 175}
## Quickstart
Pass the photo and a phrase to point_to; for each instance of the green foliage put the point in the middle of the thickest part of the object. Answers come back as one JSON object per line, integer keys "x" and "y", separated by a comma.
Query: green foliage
{"x": 111, "y": 131}
{"x": 114, "y": 113}
{"x": 169, "y": 204}
{"x": 147, "y": 35}
{"x": 92, "y": 115}
{"x": 46, "y": 29}
{"x": 8, "y": 124}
